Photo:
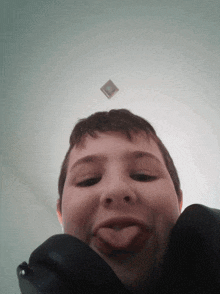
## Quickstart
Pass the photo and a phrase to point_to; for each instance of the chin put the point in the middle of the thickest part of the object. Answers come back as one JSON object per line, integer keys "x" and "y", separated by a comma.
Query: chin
{"x": 137, "y": 271}
{"x": 140, "y": 282}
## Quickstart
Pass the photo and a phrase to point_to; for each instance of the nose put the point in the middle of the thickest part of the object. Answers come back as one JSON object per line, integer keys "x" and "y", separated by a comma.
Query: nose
{"x": 117, "y": 192}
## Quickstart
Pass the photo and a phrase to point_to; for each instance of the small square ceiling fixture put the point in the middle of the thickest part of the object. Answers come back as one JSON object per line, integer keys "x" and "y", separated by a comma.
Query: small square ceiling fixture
{"x": 109, "y": 89}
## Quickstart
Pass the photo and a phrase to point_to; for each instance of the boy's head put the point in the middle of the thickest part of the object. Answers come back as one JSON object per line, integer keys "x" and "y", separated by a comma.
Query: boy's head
{"x": 116, "y": 120}
{"x": 120, "y": 194}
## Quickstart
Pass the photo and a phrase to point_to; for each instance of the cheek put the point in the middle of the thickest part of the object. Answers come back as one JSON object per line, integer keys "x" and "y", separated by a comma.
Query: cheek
{"x": 162, "y": 199}
{"x": 164, "y": 206}
{"x": 78, "y": 214}
{"x": 166, "y": 209}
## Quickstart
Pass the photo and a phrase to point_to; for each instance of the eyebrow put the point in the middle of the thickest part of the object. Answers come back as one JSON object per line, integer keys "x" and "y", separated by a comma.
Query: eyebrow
{"x": 101, "y": 158}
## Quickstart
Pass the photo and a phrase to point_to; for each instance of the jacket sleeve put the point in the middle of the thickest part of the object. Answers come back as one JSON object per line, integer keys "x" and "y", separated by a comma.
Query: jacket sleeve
{"x": 192, "y": 262}
{"x": 64, "y": 264}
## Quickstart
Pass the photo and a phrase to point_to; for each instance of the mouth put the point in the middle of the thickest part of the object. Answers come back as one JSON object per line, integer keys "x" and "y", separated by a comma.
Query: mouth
{"x": 122, "y": 234}
{"x": 120, "y": 223}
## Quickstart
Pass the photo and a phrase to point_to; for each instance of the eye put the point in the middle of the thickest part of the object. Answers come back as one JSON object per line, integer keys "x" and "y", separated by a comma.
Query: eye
{"x": 143, "y": 177}
{"x": 89, "y": 182}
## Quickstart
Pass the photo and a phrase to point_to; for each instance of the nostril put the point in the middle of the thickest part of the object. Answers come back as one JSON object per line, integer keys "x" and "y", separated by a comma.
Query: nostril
{"x": 108, "y": 200}
{"x": 127, "y": 198}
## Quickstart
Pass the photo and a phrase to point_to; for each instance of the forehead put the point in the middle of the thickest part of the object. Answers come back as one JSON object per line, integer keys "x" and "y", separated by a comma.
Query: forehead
{"x": 114, "y": 145}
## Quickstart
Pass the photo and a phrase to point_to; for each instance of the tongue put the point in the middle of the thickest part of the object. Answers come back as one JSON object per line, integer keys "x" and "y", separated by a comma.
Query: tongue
{"x": 121, "y": 239}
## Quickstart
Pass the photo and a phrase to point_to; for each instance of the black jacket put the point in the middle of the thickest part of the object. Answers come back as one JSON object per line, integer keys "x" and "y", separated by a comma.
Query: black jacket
{"x": 63, "y": 264}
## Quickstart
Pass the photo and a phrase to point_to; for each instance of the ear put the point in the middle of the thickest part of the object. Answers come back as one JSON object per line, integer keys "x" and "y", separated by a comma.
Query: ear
{"x": 59, "y": 215}
{"x": 180, "y": 200}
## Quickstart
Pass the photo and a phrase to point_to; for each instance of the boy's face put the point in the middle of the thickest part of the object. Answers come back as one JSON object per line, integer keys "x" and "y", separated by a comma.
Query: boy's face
{"x": 119, "y": 199}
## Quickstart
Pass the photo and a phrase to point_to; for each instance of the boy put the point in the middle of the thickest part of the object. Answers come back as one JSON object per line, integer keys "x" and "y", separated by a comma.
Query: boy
{"x": 120, "y": 199}
{"x": 120, "y": 194}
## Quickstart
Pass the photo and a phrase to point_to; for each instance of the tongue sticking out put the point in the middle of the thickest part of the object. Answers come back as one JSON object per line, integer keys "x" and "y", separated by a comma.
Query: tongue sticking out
{"x": 123, "y": 239}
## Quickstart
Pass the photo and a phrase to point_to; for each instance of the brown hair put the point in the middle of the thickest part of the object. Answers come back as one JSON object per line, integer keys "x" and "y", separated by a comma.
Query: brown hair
{"x": 117, "y": 120}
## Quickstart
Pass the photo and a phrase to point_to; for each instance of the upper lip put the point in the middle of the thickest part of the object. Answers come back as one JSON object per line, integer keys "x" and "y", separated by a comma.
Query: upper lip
{"x": 120, "y": 222}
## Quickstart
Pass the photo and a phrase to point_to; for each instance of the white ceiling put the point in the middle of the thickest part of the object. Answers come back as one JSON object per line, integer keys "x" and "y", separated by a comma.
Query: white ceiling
{"x": 164, "y": 56}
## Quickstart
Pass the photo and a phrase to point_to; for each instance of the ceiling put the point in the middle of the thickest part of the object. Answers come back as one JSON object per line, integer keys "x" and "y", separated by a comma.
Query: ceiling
{"x": 162, "y": 55}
